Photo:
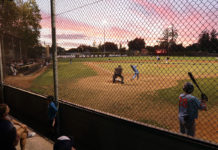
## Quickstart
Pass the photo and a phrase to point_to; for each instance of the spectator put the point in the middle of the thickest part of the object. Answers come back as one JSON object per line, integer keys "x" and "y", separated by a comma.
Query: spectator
{"x": 52, "y": 112}
{"x": 64, "y": 143}
{"x": 13, "y": 69}
{"x": 8, "y": 136}
{"x": 21, "y": 130}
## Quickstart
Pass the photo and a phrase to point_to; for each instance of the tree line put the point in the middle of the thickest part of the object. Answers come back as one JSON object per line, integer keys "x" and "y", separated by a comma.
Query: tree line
{"x": 207, "y": 43}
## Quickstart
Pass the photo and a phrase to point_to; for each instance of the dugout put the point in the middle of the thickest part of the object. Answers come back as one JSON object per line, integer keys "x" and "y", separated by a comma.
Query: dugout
{"x": 94, "y": 130}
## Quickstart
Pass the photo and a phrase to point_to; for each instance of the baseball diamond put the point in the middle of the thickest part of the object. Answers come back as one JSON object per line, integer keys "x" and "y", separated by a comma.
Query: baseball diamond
{"x": 152, "y": 99}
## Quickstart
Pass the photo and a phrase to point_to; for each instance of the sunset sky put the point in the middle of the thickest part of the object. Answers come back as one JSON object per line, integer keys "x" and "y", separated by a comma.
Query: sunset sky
{"x": 85, "y": 21}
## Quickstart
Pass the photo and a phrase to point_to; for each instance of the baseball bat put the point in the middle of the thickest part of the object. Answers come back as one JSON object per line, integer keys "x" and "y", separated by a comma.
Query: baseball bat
{"x": 194, "y": 81}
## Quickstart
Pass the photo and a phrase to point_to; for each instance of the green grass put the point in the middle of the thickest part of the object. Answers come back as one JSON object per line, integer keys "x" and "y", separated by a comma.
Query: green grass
{"x": 164, "y": 69}
{"x": 66, "y": 73}
{"x": 135, "y": 58}
{"x": 170, "y": 95}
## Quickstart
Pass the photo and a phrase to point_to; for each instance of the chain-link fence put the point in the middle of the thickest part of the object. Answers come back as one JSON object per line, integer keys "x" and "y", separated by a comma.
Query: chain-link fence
{"x": 156, "y": 43}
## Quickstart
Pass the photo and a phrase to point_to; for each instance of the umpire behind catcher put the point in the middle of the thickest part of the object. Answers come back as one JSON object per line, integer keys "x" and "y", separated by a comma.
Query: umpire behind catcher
{"x": 118, "y": 73}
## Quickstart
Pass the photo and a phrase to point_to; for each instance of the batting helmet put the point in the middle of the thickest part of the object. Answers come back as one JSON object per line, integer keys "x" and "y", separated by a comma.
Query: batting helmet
{"x": 188, "y": 87}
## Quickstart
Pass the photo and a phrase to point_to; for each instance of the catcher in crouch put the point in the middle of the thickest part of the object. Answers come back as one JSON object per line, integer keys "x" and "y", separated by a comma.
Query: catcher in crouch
{"x": 118, "y": 73}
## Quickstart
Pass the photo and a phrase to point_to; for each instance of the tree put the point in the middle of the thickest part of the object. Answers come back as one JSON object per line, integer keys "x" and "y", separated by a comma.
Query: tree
{"x": 177, "y": 48}
{"x": 109, "y": 47}
{"x": 8, "y": 17}
{"x": 170, "y": 35}
{"x": 36, "y": 52}
{"x": 151, "y": 49}
{"x": 29, "y": 23}
{"x": 72, "y": 50}
{"x": 60, "y": 50}
{"x": 122, "y": 51}
{"x": 204, "y": 40}
{"x": 87, "y": 49}
{"x": 136, "y": 44}
{"x": 22, "y": 20}
{"x": 214, "y": 41}
{"x": 81, "y": 48}
{"x": 192, "y": 48}
{"x": 173, "y": 34}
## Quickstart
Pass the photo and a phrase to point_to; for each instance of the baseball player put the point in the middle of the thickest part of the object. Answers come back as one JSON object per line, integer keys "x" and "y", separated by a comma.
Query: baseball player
{"x": 167, "y": 58}
{"x": 188, "y": 109}
{"x": 118, "y": 73}
{"x": 134, "y": 68}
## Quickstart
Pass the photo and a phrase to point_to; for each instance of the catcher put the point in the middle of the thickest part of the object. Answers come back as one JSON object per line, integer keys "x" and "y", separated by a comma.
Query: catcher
{"x": 188, "y": 109}
{"x": 118, "y": 73}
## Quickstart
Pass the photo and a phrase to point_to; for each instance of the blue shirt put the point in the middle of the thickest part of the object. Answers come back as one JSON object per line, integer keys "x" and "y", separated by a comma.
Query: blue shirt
{"x": 189, "y": 105}
{"x": 134, "y": 68}
{"x": 52, "y": 110}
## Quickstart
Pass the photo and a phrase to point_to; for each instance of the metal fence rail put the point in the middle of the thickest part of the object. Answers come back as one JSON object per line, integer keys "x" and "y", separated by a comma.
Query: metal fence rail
{"x": 164, "y": 40}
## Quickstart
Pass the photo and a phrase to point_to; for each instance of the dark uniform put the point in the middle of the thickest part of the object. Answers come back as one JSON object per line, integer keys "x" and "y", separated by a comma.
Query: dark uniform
{"x": 118, "y": 73}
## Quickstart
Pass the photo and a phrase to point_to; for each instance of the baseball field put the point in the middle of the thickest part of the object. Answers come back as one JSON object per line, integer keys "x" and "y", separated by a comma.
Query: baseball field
{"x": 152, "y": 99}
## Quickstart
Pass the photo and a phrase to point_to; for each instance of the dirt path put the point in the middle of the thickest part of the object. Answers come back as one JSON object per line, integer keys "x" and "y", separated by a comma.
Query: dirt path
{"x": 22, "y": 81}
{"x": 125, "y": 99}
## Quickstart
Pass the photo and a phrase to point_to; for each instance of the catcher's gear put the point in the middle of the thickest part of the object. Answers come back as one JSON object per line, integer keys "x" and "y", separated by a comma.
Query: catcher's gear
{"x": 204, "y": 97}
{"x": 118, "y": 70}
{"x": 188, "y": 87}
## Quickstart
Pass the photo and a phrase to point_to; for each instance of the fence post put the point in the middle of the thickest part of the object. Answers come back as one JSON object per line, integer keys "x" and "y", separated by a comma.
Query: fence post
{"x": 54, "y": 54}
{"x": 1, "y": 70}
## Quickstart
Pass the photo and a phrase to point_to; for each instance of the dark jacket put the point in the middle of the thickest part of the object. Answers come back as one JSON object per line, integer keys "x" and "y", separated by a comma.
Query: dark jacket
{"x": 52, "y": 110}
{"x": 118, "y": 70}
{"x": 8, "y": 135}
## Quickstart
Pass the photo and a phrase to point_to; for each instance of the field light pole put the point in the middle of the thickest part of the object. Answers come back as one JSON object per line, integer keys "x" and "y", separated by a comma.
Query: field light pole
{"x": 54, "y": 49}
{"x": 104, "y": 22}
{"x": 1, "y": 59}
{"x": 54, "y": 54}
{"x": 104, "y": 40}
{"x": 1, "y": 70}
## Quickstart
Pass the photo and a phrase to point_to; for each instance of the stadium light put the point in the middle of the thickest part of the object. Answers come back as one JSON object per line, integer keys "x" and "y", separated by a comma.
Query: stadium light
{"x": 104, "y": 22}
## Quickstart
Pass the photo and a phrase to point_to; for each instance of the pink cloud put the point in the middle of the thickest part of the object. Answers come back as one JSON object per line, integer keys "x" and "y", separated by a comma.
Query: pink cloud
{"x": 46, "y": 20}
{"x": 119, "y": 31}
{"x": 155, "y": 17}
{"x": 63, "y": 23}
{"x": 162, "y": 11}
{"x": 188, "y": 20}
{"x": 85, "y": 30}
{"x": 69, "y": 44}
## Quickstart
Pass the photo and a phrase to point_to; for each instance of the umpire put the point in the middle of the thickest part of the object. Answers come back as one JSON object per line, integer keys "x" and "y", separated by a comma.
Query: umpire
{"x": 118, "y": 73}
